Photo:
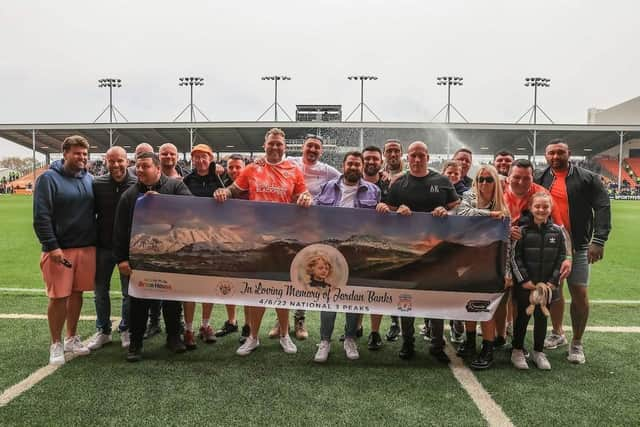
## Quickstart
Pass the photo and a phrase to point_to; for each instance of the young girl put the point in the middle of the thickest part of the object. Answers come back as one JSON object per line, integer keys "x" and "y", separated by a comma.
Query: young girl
{"x": 484, "y": 199}
{"x": 318, "y": 270}
{"x": 537, "y": 257}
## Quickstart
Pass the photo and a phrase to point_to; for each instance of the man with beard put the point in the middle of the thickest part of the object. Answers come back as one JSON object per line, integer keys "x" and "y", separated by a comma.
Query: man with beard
{"x": 465, "y": 158}
{"x": 316, "y": 174}
{"x": 168, "y": 154}
{"x": 421, "y": 190}
{"x": 107, "y": 190}
{"x": 277, "y": 180}
{"x": 202, "y": 182}
{"x": 347, "y": 191}
{"x": 150, "y": 180}
{"x": 580, "y": 204}
{"x": 502, "y": 161}
{"x": 63, "y": 220}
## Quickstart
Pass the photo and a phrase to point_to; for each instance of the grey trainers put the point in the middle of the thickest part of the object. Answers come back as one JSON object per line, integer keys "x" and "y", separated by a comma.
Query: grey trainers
{"x": 576, "y": 354}
{"x": 541, "y": 361}
{"x": 554, "y": 341}
{"x": 518, "y": 359}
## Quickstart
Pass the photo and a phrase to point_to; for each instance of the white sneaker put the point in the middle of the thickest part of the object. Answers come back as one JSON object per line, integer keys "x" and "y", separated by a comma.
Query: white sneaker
{"x": 287, "y": 345}
{"x": 56, "y": 354}
{"x": 249, "y": 345}
{"x": 576, "y": 354}
{"x": 323, "y": 352}
{"x": 541, "y": 361}
{"x": 74, "y": 345}
{"x": 351, "y": 349}
{"x": 554, "y": 341}
{"x": 125, "y": 339}
{"x": 98, "y": 340}
{"x": 518, "y": 359}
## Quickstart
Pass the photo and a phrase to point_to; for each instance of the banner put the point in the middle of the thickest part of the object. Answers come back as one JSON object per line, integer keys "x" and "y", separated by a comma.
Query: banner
{"x": 320, "y": 258}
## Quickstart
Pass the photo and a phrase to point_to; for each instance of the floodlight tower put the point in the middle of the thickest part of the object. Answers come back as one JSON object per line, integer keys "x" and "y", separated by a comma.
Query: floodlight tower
{"x": 362, "y": 105}
{"x": 275, "y": 105}
{"x": 113, "y": 110}
{"x": 535, "y": 82}
{"x": 191, "y": 82}
{"x": 449, "y": 81}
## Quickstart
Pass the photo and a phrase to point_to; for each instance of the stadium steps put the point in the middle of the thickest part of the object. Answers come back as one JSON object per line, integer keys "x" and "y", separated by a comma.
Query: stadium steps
{"x": 611, "y": 166}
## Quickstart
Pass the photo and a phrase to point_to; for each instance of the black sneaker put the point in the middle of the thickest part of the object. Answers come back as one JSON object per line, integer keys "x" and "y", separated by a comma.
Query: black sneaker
{"x": 439, "y": 355}
{"x": 246, "y": 330}
{"x": 408, "y": 350}
{"x": 499, "y": 342}
{"x": 134, "y": 354}
{"x": 227, "y": 328}
{"x": 175, "y": 344}
{"x": 375, "y": 341}
{"x": 467, "y": 349}
{"x": 485, "y": 358}
{"x": 152, "y": 329}
{"x": 394, "y": 332}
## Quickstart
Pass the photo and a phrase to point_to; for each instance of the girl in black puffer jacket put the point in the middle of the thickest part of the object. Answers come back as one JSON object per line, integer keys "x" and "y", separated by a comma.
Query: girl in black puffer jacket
{"x": 537, "y": 257}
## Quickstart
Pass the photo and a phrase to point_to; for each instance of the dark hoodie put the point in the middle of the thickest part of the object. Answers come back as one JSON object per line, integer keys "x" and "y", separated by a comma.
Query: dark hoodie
{"x": 63, "y": 209}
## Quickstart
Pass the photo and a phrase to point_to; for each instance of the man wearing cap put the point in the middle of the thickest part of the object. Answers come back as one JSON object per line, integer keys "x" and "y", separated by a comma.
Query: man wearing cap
{"x": 202, "y": 182}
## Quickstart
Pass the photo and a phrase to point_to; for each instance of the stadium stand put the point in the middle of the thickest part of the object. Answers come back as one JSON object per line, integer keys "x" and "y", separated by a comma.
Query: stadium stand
{"x": 634, "y": 164}
{"x": 610, "y": 166}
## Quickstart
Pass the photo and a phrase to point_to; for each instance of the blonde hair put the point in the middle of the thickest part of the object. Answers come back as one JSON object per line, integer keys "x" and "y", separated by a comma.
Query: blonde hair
{"x": 497, "y": 200}
{"x": 313, "y": 261}
{"x": 274, "y": 131}
{"x": 541, "y": 195}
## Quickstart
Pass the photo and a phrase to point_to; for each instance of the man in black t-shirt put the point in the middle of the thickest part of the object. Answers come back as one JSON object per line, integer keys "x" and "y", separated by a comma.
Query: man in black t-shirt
{"x": 421, "y": 190}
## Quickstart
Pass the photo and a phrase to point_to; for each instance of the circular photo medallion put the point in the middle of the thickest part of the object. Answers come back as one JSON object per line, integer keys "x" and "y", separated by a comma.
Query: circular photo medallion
{"x": 319, "y": 266}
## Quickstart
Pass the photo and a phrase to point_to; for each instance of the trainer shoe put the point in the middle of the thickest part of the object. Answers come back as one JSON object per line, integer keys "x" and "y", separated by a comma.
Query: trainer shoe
{"x": 249, "y": 345}
{"x": 554, "y": 341}
{"x": 394, "y": 332}
{"x": 301, "y": 331}
{"x": 175, "y": 344}
{"x": 207, "y": 335}
{"x": 227, "y": 328}
{"x": 275, "y": 331}
{"x": 439, "y": 354}
{"x": 189, "y": 340}
{"x": 518, "y": 359}
{"x": 351, "y": 349}
{"x": 407, "y": 351}
{"x": 56, "y": 354}
{"x": 323, "y": 352}
{"x": 152, "y": 329}
{"x": 134, "y": 354}
{"x": 246, "y": 331}
{"x": 467, "y": 348}
{"x": 576, "y": 354}
{"x": 125, "y": 339}
{"x": 74, "y": 345}
{"x": 375, "y": 341}
{"x": 499, "y": 342}
{"x": 541, "y": 361}
{"x": 287, "y": 345}
{"x": 457, "y": 331}
{"x": 98, "y": 340}
{"x": 485, "y": 358}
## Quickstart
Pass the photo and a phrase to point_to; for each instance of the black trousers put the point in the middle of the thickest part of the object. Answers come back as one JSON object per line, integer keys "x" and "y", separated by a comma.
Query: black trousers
{"x": 437, "y": 331}
{"x": 154, "y": 312}
{"x": 139, "y": 312}
{"x": 522, "y": 320}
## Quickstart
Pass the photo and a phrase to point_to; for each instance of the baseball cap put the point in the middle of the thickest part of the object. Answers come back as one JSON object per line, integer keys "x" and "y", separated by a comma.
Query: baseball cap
{"x": 204, "y": 148}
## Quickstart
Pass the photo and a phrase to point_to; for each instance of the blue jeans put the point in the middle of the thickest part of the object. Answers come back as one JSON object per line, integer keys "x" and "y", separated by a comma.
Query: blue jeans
{"x": 328, "y": 320}
{"x": 105, "y": 264}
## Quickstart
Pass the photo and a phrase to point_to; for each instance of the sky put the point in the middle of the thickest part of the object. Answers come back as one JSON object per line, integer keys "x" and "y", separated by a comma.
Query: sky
{"x": 53, "y": 53}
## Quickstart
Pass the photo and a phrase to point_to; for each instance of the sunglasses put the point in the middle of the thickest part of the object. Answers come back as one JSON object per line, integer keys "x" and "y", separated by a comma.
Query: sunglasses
{"x": 487, "y": 179}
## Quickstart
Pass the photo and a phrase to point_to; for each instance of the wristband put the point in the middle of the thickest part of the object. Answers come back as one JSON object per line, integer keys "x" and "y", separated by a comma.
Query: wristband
{"x": 569, "y": 257}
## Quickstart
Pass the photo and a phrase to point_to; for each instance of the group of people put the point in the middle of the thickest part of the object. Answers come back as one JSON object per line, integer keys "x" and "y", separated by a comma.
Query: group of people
{"x": 560, "y": 224}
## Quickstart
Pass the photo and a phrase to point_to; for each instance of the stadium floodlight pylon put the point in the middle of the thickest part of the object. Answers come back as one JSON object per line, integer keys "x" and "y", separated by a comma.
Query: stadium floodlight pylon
{"x": 113, "y": 110}
{"x": 193, "y": 108}
{"x": 535, "y": 82}
{"x": 362, "y": 105}
{"x": 275, "y": 105}
{"x": 449, "y": 81}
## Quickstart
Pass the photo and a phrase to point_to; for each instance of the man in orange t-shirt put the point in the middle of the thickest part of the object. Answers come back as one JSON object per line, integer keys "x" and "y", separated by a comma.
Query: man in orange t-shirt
{"x": 276, "y": 180}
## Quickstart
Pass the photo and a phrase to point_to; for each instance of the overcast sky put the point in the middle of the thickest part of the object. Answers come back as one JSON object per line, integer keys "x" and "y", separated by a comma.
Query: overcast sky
{"x": 53, "y": 53}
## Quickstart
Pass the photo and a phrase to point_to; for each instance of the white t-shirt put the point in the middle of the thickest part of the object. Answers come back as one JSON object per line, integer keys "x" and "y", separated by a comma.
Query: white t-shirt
{"x": 315, "y": 175}
{"x": 348, "y": 199}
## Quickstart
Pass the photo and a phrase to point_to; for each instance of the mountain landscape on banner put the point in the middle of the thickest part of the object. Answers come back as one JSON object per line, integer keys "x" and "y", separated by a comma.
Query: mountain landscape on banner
{"x": 233, "y": 243}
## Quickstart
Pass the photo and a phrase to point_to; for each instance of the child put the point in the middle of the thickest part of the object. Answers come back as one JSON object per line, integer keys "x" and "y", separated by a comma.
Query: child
{"x": 537, "y": 257}
{"x": 453, "y": 171}
{"x": 318, "y": 270}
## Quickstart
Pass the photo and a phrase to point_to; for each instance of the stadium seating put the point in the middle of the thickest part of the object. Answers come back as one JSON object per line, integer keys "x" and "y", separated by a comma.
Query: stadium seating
{"x": 611, "y": 166}
{"x": 634, "y": 164}
{"x": 24, "y": 181}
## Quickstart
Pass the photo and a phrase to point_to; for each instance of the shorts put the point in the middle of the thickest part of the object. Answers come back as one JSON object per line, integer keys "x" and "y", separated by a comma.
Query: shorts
{"x": 580, "y": 269}
{"x": 61, "y": 281}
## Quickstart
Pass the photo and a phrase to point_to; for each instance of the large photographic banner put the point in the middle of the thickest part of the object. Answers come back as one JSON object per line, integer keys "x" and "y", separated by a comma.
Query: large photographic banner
{"x": 320, "y": 258}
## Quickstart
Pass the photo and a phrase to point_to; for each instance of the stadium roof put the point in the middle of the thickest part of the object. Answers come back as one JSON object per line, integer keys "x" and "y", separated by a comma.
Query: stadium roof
{"x": 248, "y": 136}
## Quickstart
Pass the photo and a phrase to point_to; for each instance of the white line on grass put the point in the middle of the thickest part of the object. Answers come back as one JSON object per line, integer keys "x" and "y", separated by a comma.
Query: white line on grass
{"x": 43, "y": 291}
{"x": 490, "y": 410}
{"x": 17, "y": 389}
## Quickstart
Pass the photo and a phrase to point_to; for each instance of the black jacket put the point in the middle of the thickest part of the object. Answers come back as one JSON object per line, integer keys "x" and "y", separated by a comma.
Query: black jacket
{"x": 107, "y": 193}
{"x": 204, "y": 186}
{"x": 538, "y": 255}
{"x": 589, "y": 205}
{"x": 124, "y": 212}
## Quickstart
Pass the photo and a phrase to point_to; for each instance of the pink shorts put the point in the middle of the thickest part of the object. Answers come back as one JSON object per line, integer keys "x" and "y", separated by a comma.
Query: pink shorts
{"x": 61, "y": 281}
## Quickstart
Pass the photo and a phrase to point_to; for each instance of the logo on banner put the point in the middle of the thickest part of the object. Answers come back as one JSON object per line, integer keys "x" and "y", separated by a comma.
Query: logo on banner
{"x": 155, "y": 284}
{"x": 225, "y": 288}
{"x": 476, "y": 306}
{"x": 319, "y": 266}
{"x": 404, "y": 302}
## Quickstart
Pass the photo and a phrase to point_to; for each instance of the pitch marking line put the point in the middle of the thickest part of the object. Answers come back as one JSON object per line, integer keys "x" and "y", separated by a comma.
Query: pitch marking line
{"x": 17, "y": 389}
{"x": 490, "y": 410}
